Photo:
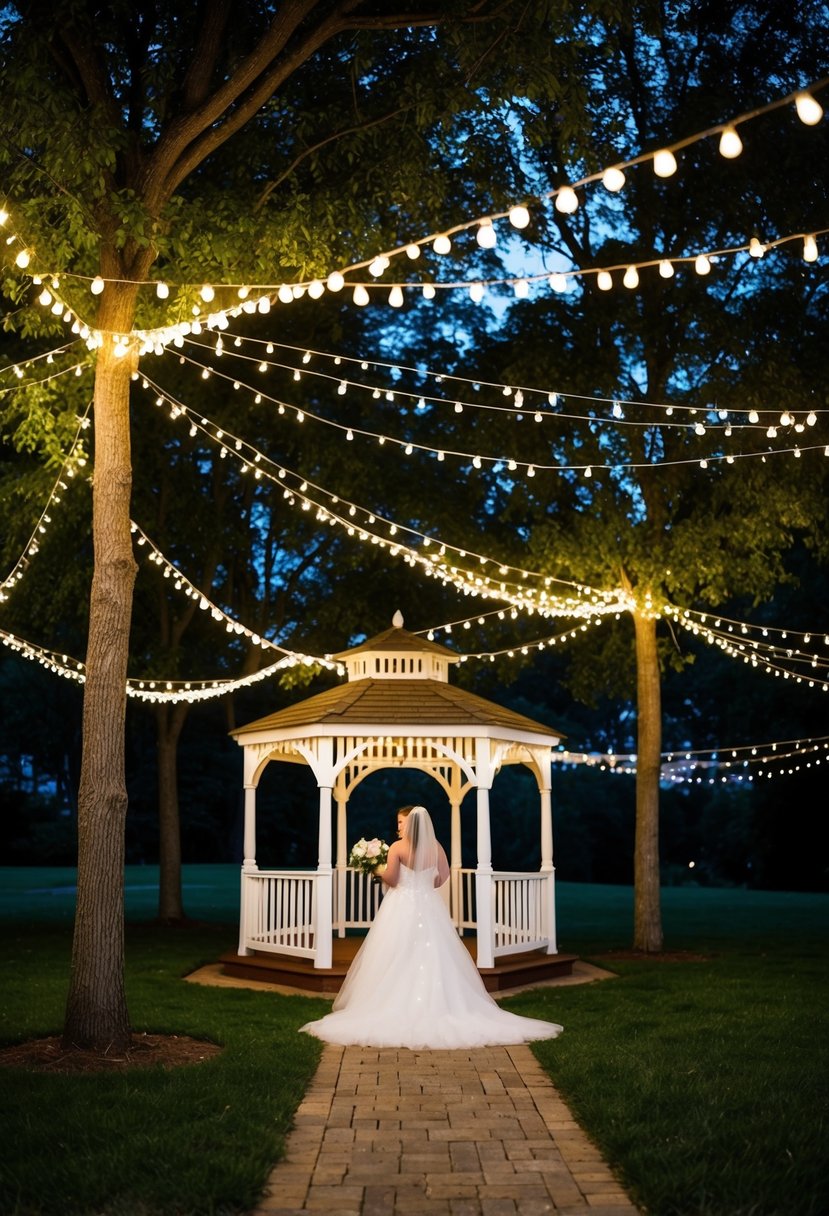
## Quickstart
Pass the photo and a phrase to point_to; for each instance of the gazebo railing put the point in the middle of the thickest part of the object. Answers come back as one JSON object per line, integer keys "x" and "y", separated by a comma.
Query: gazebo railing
{"x": 279, "y": 911}
{"x": 356, "y": 900}
{"x": 520, "y": 920}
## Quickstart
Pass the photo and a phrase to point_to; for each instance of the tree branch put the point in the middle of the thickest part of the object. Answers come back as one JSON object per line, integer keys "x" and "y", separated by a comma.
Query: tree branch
{"x": 362, "y": 126}
{"x": 205, "y": 54}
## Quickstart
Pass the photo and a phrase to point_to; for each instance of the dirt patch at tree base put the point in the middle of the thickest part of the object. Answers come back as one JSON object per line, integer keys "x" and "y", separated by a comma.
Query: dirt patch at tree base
{"x": 144, "y": 1051}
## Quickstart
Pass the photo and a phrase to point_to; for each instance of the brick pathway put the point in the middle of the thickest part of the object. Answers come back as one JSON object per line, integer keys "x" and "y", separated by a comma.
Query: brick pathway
{"x": 448, "y": 1133}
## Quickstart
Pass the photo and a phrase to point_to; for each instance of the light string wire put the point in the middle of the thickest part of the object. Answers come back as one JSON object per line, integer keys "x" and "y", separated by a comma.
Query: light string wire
{"x": 512, "y": 464}
{"x": 182, "y": 583}
{"x": 685, "y": 770}
{"x": 554, "y": 398}
{"x": 19, "y": 368}
{"x": 519, "y": 216}
{"x": 746, "y": 626}
{"x": 75, "y": 456}
{"x": 734, "y": 650}
{"x": 471, "y": 582}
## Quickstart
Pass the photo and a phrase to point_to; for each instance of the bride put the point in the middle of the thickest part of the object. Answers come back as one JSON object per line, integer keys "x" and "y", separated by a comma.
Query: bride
{"x": 412, "y": 982}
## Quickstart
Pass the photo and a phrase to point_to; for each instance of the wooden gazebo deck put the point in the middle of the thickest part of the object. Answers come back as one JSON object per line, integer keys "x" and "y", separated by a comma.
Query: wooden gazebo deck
{"x": 510, "y": 971}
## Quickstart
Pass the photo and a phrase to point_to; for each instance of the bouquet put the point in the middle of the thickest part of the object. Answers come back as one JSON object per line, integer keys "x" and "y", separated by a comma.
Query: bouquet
{"x": 368, "y": 855}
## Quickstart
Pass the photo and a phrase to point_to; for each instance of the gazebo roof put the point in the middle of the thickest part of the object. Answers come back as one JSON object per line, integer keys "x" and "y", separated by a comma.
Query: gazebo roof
{"x": 369, "y": 704}
{"x": 400, "y": 639}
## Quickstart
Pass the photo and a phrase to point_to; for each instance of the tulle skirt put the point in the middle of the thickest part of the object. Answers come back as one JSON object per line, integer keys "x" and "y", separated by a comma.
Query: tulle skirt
{"x": 413, "y": 984}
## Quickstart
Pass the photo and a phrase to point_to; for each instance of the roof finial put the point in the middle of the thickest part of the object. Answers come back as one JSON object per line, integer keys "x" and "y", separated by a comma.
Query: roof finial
{"x": 397, "y": 619}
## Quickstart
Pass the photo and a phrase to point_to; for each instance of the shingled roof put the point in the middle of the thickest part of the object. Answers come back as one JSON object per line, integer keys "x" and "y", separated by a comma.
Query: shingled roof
{"x": 369, "y": 703}
{"x": 400, "y": 639}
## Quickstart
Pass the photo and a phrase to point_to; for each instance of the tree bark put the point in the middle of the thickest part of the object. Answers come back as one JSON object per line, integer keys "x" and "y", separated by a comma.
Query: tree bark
{"x": 169, "y": 722}
{"x": 647, "y": 928}
{"x": 96, "y": 1009}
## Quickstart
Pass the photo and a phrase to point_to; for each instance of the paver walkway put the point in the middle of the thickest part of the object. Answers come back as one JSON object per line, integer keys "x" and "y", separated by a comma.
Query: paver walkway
{"x": 448, "y": 1133}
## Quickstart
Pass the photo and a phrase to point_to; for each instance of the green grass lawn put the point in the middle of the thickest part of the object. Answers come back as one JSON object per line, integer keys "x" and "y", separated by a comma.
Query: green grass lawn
{"x": 705, "y": 1083}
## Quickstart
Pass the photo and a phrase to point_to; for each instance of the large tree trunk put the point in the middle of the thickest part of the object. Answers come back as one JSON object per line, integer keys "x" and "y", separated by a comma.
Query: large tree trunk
{"x": 96, "y": 1010}
{"x": 647, "y": 928}
{"x": 169, "y": 722}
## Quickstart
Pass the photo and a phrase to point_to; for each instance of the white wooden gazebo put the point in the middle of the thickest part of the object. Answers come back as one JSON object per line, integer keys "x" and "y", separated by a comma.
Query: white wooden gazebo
{"x": 396, "y": 710}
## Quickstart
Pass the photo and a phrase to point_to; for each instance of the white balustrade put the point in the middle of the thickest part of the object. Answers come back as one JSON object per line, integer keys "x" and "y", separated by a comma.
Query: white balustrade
{"x": 355, "y": 901}
{"x": 280, "y": 911}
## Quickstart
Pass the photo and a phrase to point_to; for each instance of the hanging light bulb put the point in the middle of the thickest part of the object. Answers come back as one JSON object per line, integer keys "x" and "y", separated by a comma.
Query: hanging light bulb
{"x": 809, "y": 249}
{"x": 413, "y": 252}
{"x": 519, "y": 217}
{"x": 476, "y": 292}
{"x": 207, "y": 293}
{"x": 45, "y": 298}
{"x": 335, "y": 281}
{"x": 396, "y": 297}
{"x": 604, "y": 280}
{"x": 756, "y": 247}
{"x": 809, "y": 111}
{"x": 315, "y": 289}
{"x": 567, "y": 201}
{"x": 428, "y": 291}
{"x": 162, "y": 290}
{"x": 377, "y": 267}
{"x": 285, "y": 294}
{"x": 613, "y": 180}
{"x": 521, "y": 288}
{"x": 811, "y": 418}
{"x": 730, "y": 143}
{"x": 666, "y": 269}
{"x": 753, "y": 416}
{"x": 360, "y": 296}
{"x": 631, "y": 278}
{"x": 97, "y": 285}
{"x": 702, "y": 264}
{"x": 263, "y": 304}
{"x": 664, "y": 163}
{"x": 559, "y": 283}
{"x": 441, "y": 244}
{"x": 485, "y": 236}
{"x": 23, "y": 258}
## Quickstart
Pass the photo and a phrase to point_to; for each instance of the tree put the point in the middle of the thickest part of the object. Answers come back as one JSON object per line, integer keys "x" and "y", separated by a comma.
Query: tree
{"x": 109, "y": 118}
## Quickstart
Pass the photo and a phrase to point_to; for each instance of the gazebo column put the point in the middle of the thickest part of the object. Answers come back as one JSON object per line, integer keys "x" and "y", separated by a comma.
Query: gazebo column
{"x": 248, "y": 892}
{"x": 341, "y": 799}
{"x": 484, "y": 894}
{"x": 324, "y": 927}
{"x": 456, "y": 861}
{"x": 547, "y": 867}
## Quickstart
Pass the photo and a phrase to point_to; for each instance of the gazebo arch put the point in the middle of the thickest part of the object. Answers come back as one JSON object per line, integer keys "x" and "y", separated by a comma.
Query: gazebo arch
{"x": 396, "y": 710}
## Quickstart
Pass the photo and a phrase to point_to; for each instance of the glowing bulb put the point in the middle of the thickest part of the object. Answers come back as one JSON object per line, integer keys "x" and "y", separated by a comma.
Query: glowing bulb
{"x": 23, "y": 258}
{"x": 428, "y": 291}
{"x": 396, "y": 297}
{"x": 413, "y": 252}
{"x": 377, "y": 267}
{"x": 631, "y": 278}
{"x": 360, "y": 296}
{"x": 335, "y": 281}
{"x": 45, "y": 298}
{"x": 811, "y": 418}
{"x": 809, "y": 249}
{"x": 162, "y": 290}
{"x": 613, "y": 180}
{"x": 263, "y": 305}
{"x": 809, "y": 111}
{"x": 702, "y": 264}
{"x": 97, "y": 285}
{"x": 666, "y": 269}
{"x": 604, "y": 280}
{"x": 664, "y": 163}
{"x": 558, "y": 282}
{"x": 567, "y": 200}
{"x": 756, "y": 247}
{"x": 476, "y": 292}
{"x": 441, "y": 244}
{"x": 485, "y": 236}
{"x": 730, "y": 143}
{"x": 753, "y": 416}
{"x": 519, "y": 217}
{"x": 315, "y": 289}
{"x": 521, "y": 288}
{"x": 207, "y": 293}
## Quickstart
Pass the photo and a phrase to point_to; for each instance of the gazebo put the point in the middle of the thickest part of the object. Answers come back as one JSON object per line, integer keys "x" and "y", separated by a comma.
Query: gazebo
{"x": 396, "y": 710}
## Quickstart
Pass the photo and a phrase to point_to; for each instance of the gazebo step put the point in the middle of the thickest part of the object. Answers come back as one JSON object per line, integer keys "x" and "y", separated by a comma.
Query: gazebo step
{"x": 511, "y": 971}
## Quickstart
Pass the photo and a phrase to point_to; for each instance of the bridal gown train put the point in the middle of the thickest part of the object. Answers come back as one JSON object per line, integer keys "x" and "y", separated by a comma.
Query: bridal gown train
{"x": 413, "y": 983}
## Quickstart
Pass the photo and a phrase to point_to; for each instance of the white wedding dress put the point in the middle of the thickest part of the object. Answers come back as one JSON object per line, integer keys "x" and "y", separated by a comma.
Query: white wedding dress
{"x": 413, "y": 983}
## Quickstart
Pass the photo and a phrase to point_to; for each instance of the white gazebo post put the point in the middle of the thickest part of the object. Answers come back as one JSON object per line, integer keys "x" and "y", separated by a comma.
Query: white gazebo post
{"x": 484, "y": 914}
{"x": 341, "y": 799}
{"x": 249, "y": 852}
{"x": 324, "y": 921}
{"x": 547, "y": 867}
{"x": 455, "y": 850}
